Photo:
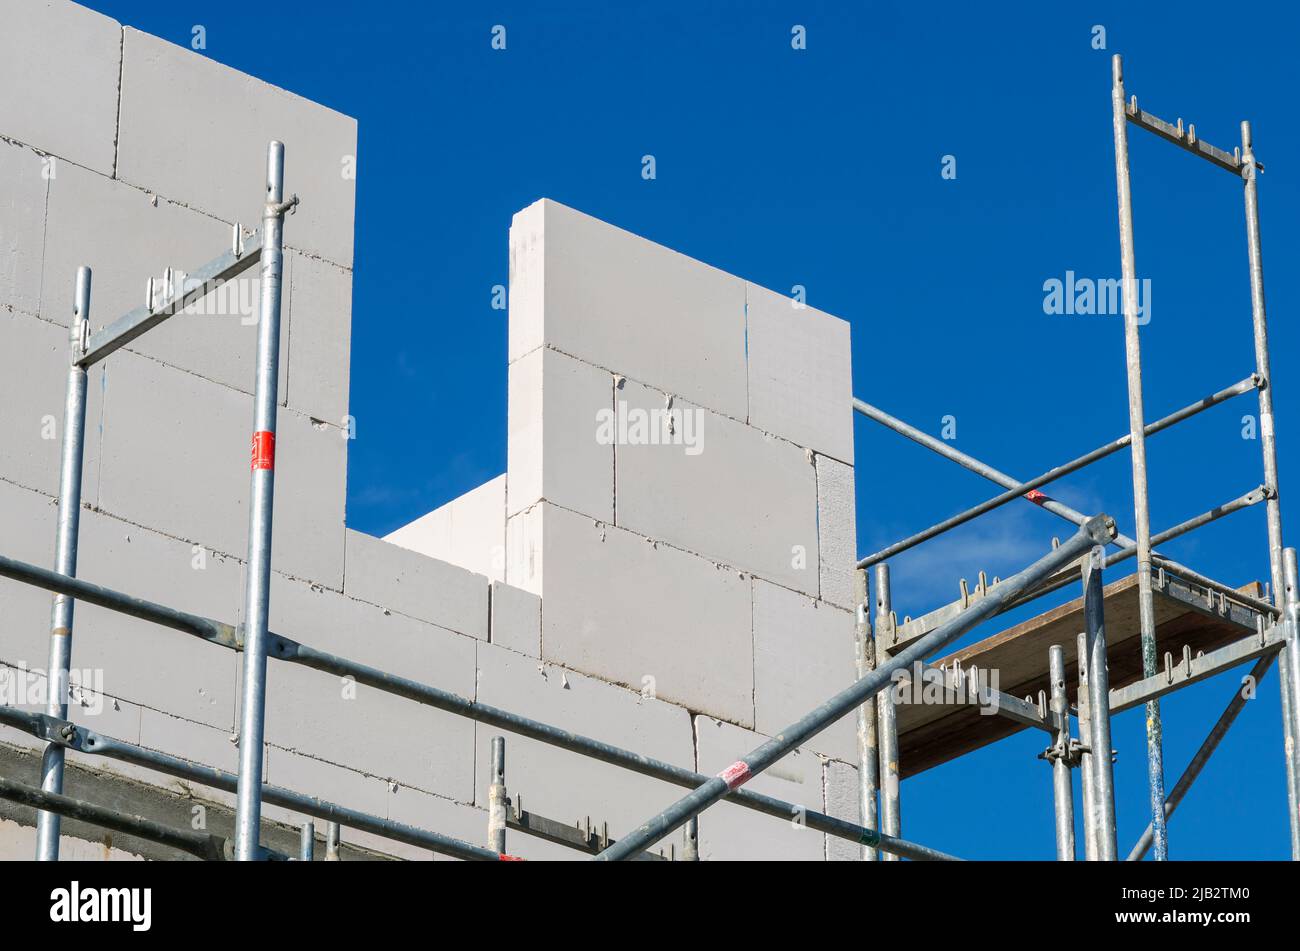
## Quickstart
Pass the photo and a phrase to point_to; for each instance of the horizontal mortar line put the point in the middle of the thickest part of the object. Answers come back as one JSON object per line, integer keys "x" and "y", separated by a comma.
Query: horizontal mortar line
{"x": 715, "y": 562}
{"x": 19, "y": 312}
{"x": 130, "y": 348}
{"x": 40, "y": 153}
{"x": 228, "y": 730}
{"x": 159, "y": 361}
{"x": 208, "y": 549}
{"x": 225, "y": 221}
{"x": 678, "y": 396}
{"x": 603, "y": 681}
{"x": 387, "y": 780}
{"x": 51, "y": 499}
{"x": 215, "y": 552}
{"x": 414, "y": 617}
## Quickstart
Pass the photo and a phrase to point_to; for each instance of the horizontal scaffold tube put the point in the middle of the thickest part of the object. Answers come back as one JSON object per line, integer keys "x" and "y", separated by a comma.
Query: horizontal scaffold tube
{"x": 78, "y": 738}
{"x": 1021, "y": 489}
{"x": 291, "y": 651}
{"x": 211, "y": 848}
{"x": 1097, "y": 531}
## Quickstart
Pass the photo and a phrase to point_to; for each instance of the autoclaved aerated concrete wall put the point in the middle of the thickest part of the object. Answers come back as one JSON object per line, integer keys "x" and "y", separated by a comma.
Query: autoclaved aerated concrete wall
{"x": 681, "y": 590}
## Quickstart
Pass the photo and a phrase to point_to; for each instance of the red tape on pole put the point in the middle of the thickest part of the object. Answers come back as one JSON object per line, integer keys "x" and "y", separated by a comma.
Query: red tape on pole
{"x": 1038, "y": 498}
{"x": 736, "y": 774}
{"x": 263, "y": 450}
{"x": 506, "y": 857}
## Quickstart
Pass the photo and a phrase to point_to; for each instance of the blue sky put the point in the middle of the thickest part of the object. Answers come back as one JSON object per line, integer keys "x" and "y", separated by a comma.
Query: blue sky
{"x": 821, "y": 167}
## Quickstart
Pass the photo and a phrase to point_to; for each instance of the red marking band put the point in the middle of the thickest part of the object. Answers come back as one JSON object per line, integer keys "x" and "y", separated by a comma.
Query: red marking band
{"x": 263, "y": 450}
{"x": 504, "y": 857}
{"x": 1038, "y": 498}
{"x": 737, "y": 774}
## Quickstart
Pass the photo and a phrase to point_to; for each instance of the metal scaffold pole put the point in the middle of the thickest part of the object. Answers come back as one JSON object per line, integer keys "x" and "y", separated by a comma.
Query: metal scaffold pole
{"x": 1103, "y": 775}
{"x": 497, "y": 803}
{"x": 1059, "y": 757}
{"x": 1087, "y": 782}
{"x": 1137, "y": 448}
{"x": 1207, "y": 748}
{"x": 891, "y": 815}
{"x": 1289, "y": 663}
{"x": 1287, "y": 675}
{"x": 257, "y": 578}
{"x": 65, "y": 563}
{"x": 307, "y": 846}
{"x": 868, "y": 745}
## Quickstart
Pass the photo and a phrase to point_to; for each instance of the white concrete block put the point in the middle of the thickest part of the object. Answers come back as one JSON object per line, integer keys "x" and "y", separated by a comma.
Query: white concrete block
{"x": 320, "y": 715}
{"x": 800, "y": 373}
{"x": 125, "y": 236}
{"x": 562, "y": 785}
{"x": 619, "y": 607}
{"x": 554, "y": 451}
{"x": 396, "y": 578}
{"x": 22, "y": 219}
{"x": 320, "y": 339}
{"x": 843, "y": 801}
{"x": 524, "y": 549}
{"x": 23, "y": 687}
{"x": 733, "y": 833}
{"x": 175, "y": 458}
{"x": 192, "y": 741}
{"x": 434, "y": 813}
{"x": 837, "y": 531}
{"x": 179, "y": 737}
{"x": 803, "y": 655}
{"x": 18, "y": 844}
{"x": 315, "y": 777}
{"x": 725, "y": 490}
{"x": 628, "y": 305}
{"x": 468, "y": 531}
{"x": 29, "y": 528}
{"x": 96, "y": 711}
{"x": 146, "y": 663}
{"x": 218, "y": 162}
{"x": 516, "y": 619}
{"x": 60, "y": 55}
{"x": 34, "y": 357}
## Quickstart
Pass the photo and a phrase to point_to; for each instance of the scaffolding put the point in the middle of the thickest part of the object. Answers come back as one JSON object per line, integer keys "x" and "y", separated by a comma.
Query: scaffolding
{"x": 1228, "y": 627}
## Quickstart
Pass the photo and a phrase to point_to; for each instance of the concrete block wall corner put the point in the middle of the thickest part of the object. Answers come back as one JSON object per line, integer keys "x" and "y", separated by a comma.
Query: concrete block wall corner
{"x": 682, "y": 595}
